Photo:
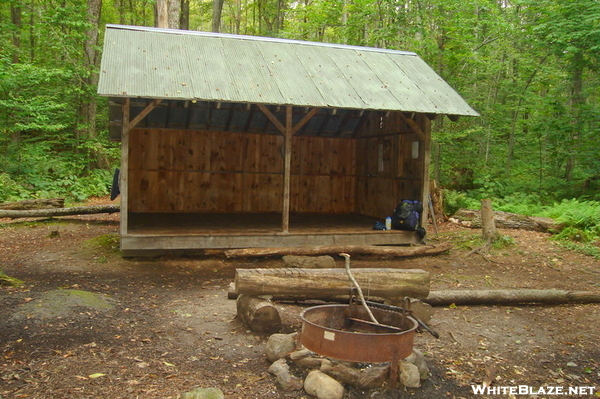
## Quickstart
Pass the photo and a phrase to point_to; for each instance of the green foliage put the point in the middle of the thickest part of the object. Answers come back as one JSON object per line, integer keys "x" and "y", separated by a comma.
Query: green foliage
{"x": 574, "y": 234}
{"x": 32, "y": 101}
{"x": 583, "y": 215}
{"x": 455, "y": 200}
{"x": 591, "y": 249}
{"x": 530, "y": 67}
{"x": 502, "y": 242}
{"x": 41, "y": 169}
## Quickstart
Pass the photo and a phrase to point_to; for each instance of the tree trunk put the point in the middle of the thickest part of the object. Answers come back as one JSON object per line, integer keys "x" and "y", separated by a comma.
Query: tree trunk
{"x": 324, "y": 284}
{"x": 489, "y": 232}
{"x": 258, "y": 314}
{"x": 510, "y": 297}
{"x": 336, "y": 249}
{"x": 87, "y": 108}
{"x": 78, "y": 210}
{"x": 174, "y": 10}
{"x": 184, "y": 19}
{"x": 34, "y": 204}
{"x": 15, "y": 17}
{"x": 162, "y": 14}
{"x": 216, "y": 17}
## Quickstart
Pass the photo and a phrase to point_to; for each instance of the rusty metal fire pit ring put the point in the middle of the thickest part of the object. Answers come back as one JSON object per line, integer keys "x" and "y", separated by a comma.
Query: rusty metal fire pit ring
{"x": 323, "y": 333}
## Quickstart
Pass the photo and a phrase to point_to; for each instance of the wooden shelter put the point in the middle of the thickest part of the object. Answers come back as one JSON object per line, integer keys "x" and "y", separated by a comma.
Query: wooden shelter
{"x": 233, "y": 141}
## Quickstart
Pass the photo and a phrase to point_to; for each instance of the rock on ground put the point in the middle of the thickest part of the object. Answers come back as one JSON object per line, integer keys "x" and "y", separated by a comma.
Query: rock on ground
{"x": 279, "y": 345}
{"x": 63, "y": 303}
{"x": 409, "y": 375}
{"x": 323, "y": 386}
{"x": 286, "y": 381}
{"x": 203, "y": 393}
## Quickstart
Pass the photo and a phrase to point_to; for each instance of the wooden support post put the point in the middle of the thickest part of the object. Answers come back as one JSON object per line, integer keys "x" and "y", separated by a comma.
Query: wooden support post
{"x": 287, "y": 170}
{"x": 287, "y": 131}
{"x": 425, "y": 135}
{"x": 123, "y": 180}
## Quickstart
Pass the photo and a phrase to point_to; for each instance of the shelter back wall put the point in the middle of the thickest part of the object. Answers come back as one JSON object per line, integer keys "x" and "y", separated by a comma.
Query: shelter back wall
{"x": 201, "y": 171}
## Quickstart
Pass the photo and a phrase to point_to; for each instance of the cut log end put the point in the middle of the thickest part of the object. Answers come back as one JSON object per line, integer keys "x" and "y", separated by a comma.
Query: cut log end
{"x": 258, "y": 314}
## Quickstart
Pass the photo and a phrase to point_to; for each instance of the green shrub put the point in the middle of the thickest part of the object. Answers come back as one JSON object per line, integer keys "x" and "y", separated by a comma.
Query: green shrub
{"x": 455, "y": 200}
{"x": 584, "y": 215}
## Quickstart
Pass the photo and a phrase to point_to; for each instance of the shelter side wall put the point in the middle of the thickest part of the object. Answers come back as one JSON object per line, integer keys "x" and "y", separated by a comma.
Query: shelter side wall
{"x": 390, "y": 157}
{"x": 206, "y": 171}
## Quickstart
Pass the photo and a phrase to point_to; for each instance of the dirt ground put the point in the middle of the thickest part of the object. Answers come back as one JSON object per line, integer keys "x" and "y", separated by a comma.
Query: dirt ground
{"x": 170, "y": 327}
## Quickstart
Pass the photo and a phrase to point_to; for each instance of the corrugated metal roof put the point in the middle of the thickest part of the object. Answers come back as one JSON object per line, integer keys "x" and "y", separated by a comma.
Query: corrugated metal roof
{"x": 186, "y": 65}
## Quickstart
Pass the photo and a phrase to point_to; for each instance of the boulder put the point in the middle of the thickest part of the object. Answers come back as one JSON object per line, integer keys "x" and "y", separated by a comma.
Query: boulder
{"x": 322, "y": 386}
{"x": 279, "y": 345}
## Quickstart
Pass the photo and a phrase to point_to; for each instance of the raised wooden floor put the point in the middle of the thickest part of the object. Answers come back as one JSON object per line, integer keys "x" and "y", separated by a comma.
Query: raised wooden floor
{"x": 150, "y": 233}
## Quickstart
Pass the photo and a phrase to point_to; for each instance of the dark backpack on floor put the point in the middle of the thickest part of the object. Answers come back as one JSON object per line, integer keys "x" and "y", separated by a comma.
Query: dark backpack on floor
{"x": 406, "y": 215}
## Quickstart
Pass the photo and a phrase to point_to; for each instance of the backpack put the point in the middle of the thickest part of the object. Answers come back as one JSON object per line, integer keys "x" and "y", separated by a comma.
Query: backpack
{"x": 406, "y": 215}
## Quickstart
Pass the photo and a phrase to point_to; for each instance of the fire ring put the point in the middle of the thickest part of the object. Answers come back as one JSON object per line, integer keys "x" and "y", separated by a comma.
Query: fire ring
{"x": 344, "y": 332}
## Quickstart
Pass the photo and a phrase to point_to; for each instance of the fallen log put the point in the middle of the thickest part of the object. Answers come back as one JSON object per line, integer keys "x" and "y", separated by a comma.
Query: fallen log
{"x": 258, "y": 314}
{"x": 510, "y": 297}
{"x": 76, "y": 210}
{"x": 325, "y": 284}
{"x": 506, "y": 220}
{"x": 403, "y": 252}
{"x": 34, "y": 204}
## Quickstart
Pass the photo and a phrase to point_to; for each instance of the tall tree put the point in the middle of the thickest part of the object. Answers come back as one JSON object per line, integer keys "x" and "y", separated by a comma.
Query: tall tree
{"x": 15, "y": 16}
{"x": 91, "y": 62}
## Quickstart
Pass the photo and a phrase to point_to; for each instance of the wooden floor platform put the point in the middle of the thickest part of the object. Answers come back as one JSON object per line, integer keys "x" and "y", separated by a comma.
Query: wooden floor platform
{"x": 149, "y": 233}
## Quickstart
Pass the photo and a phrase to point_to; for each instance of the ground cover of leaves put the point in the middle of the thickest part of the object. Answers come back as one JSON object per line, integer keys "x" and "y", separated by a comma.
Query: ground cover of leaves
{"x": 170, "y": 327}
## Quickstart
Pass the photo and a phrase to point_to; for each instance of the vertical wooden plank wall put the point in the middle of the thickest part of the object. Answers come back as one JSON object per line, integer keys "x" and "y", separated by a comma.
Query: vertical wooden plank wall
{"x": 387, "y": 171}
{"x": 201, "y": 171}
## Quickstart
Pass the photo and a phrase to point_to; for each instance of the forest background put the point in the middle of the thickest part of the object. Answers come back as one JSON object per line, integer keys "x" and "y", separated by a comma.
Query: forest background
{"x": 531, "y": 68}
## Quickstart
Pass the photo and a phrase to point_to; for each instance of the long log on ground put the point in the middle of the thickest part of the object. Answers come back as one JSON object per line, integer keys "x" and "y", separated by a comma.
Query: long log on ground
{"x": 506, "y": 220}
{"x": 76, "y": 210}
{"x": 305, "y": 284}
{"x": 34, "y": 204}
{"x": 400, "y": 251}
{"x": 258, "y": 314}
{"x": 510, "y": 297}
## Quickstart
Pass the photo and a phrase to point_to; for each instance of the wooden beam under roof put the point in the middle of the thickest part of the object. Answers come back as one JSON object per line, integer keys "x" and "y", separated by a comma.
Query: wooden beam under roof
{"x": 414, "y": 126}
{"x": 134, "y": 122}
{"x": 251, "y": 111}
{"x": 343, "y": 122}
{"x": 272, "y": 118}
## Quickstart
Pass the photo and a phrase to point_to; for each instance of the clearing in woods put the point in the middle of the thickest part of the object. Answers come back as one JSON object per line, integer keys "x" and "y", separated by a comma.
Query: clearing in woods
{"x": 163, "y": 326}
